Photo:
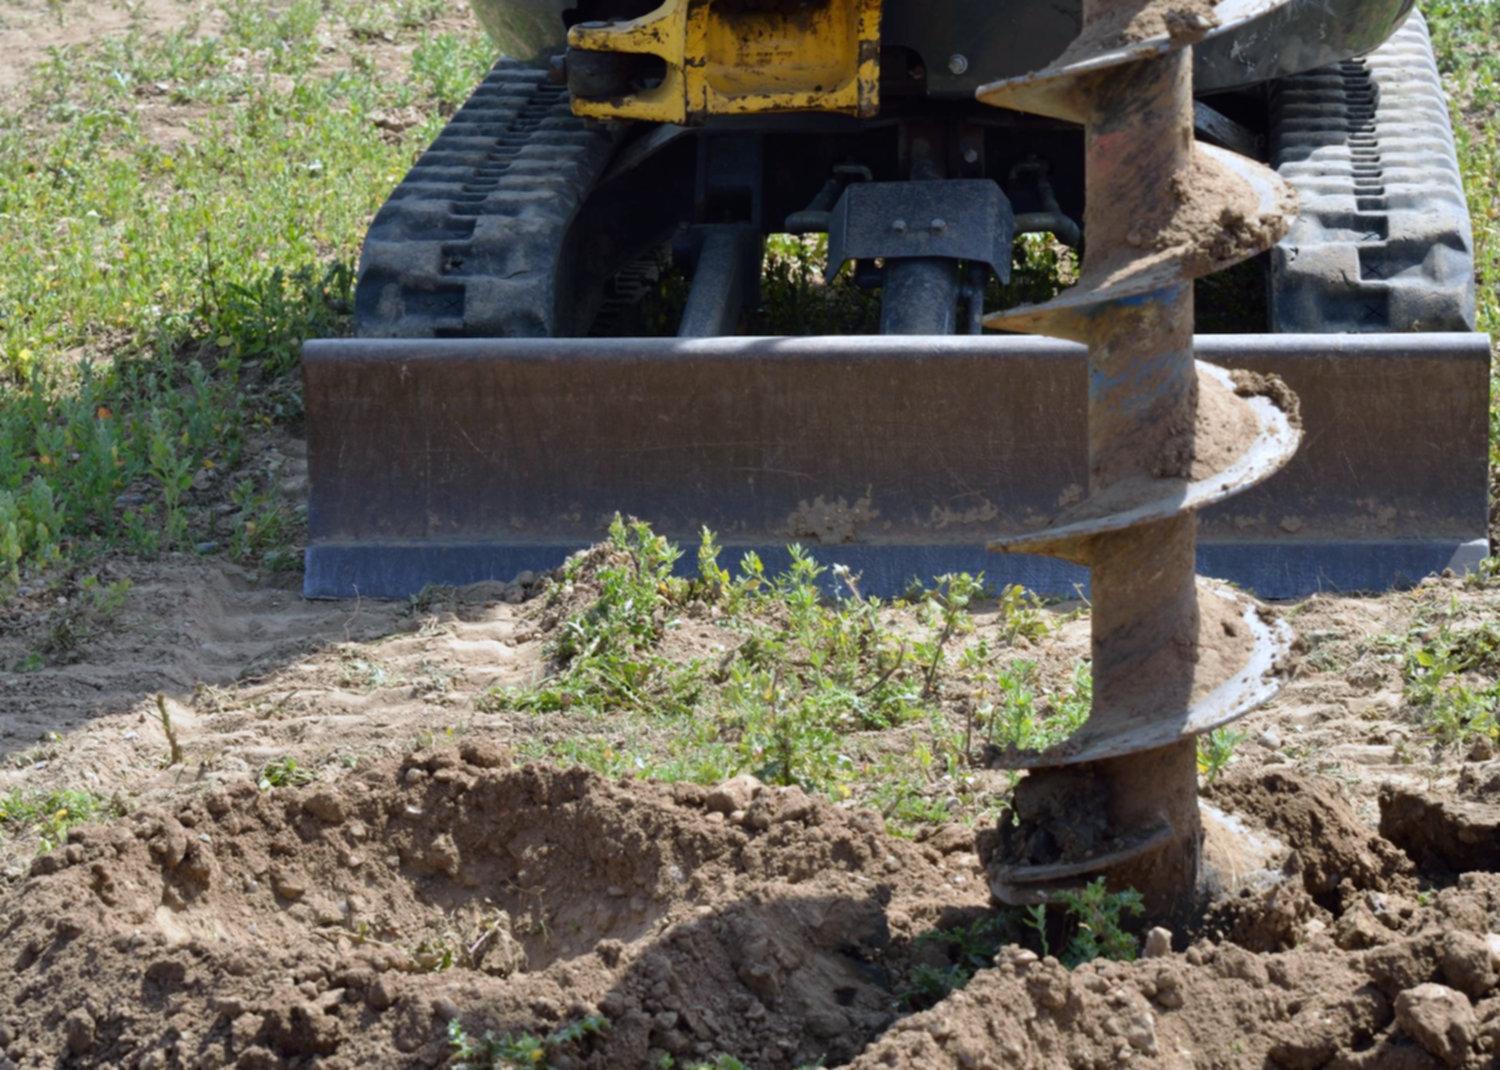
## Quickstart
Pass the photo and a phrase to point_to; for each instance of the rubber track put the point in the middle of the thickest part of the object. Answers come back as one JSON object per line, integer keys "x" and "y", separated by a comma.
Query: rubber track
{"x": 1383, "y": 241}
{"x": 468, "y": 244}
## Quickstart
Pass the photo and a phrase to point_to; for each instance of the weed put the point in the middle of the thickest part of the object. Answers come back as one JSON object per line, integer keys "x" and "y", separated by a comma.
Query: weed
{"x": 490, "y": 1052}
{"x": 1216, "y": 751}
{"x": 262, "y": 527}
{"x": 1035, "y": 919}
{"x": 806, "y": 674}
{"x": 1019, "y": 719}
{"x": 1095, "y": 915}
{"x": 1452, "y": 676}
{"x": 969, "y": 948}
{"x": 174, "y": 749}
{"x": 87, "y": 612}
{"x": 49, "y": 815}
{"x": 284, "y": 773}
{"x": 153, "y": 296}
{"x": 607, "y": 650}
{"x": 948, "y": 612}
{"x": 363, "y": 674}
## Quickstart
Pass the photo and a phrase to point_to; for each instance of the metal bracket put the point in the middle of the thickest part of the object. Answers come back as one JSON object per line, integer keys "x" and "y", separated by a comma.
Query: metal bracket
{"x": 953, "y": 219}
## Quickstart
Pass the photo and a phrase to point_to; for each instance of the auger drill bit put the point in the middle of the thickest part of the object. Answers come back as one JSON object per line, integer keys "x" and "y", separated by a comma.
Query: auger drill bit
{"x": 1173, "y": 656}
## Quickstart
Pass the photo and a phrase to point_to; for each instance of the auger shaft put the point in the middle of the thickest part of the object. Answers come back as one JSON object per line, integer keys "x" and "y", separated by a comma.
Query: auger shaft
{"x": 1118, "y": 799}
{"x": 1143, "y": 403}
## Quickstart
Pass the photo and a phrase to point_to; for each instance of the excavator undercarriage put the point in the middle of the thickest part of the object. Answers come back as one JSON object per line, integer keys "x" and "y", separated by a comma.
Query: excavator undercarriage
{"x": 480, "y": 425}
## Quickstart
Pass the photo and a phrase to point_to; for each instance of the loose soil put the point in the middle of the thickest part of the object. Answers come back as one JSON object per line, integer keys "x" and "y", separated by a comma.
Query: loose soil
{"x": 222, "y": 925}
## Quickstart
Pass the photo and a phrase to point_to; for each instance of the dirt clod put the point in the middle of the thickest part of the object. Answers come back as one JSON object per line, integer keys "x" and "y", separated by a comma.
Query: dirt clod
{"x": 1440, "y": 1019}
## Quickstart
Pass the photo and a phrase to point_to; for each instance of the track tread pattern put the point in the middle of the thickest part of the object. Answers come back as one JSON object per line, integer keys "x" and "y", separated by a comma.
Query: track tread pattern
{"x": 468, "y": 245}
{"x": 1383, "y": 241}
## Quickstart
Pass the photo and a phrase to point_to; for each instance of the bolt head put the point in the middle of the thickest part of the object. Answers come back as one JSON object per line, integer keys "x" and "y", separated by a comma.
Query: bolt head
{"x": 899, "y": 226}
{"x": 939, "y": 225}
{"x": 958, "y": 63}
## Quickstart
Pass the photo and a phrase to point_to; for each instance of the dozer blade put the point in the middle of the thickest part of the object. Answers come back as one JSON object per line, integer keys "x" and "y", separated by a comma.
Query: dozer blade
{"x": 455, "y": 461}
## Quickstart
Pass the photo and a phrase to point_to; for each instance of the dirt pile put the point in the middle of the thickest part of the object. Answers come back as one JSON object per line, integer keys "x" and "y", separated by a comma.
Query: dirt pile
{"x": 1344, "y": 965}
{"x": 618, "y": 924}
{"x": 349, "y": 925}
{"x": 1424, "y": 998}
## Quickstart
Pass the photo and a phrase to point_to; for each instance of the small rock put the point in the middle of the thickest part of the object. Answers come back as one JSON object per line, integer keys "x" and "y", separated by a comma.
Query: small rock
{"x": 1438, "y": 1018}
{"x": 442, "y": 856}
{"x": 733, "y": 795}
{"x": 286, "y": 884}
{"x": 444, "y": 1009}
{"x": 383, "y": 993}
{"x": 208, "y": 546}
{"x": 1482, "y": 749}
{"x": 526, "y": 578}
{"x": 1158, "y": 943}
{"x": 1270, "y": 739}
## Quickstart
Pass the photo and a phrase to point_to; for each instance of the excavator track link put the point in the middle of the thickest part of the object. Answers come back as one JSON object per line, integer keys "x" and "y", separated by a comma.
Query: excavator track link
{"x": 472, "y": 242}
{"x": 1383, "y": 242}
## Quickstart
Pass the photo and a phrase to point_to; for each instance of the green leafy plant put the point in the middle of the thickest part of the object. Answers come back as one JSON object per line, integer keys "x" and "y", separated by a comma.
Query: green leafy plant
{"x": 948, "y": 613}
{"x": 490, "y": 1052}
{"x": 1452, "y": 677}
{"x": 1216, "y": 751}
{"x": 969, "y": 948}
{"x": 284, "y": 773}
{"x": 49, "y": 815}
{"x": 1095, "y": 915}
{"x": 1022, "y": 720}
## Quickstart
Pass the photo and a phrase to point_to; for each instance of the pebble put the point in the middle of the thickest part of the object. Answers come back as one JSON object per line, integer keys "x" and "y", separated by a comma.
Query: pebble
{"x": 1270, "y": 739}
{"x": 208, "y": 546}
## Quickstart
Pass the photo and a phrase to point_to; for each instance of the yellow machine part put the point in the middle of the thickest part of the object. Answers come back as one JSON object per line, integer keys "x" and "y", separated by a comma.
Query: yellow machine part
{"x": 737, "y": 57}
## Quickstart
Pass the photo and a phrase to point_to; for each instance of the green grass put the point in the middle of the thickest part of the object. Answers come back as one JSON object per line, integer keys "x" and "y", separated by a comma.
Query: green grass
{"x": 1464, "y": 34}
{"x": 850, "y": 697}
{"x": 156, "y": 280}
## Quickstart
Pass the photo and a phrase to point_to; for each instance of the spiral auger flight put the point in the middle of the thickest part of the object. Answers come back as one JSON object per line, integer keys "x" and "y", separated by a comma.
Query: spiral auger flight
{"x": 1173, "y": 656}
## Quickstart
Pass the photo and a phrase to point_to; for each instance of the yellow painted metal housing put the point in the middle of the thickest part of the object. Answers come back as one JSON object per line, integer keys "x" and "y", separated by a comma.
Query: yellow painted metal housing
{"x": 737, "y": 57}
